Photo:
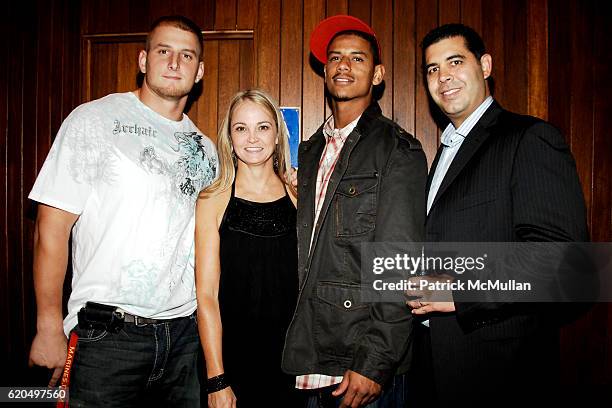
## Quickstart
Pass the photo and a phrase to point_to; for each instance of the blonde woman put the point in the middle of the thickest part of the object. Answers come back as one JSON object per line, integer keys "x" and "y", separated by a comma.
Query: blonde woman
{"x": 246, "y": 258}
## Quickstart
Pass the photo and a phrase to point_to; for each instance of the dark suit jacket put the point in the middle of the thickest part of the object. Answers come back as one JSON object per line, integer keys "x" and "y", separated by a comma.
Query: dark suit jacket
{"x": 513, "y": 179}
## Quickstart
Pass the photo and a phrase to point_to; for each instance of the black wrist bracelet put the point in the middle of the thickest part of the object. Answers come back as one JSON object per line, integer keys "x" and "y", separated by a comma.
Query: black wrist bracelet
{"x": 216, "y": 383}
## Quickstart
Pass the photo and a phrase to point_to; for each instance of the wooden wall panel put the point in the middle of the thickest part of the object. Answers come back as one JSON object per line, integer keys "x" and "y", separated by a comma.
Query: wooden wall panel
{"x": 449, "y": 11}
{"x": 549, "y": 58}
{"x": 581, "y": 85}
{"x": 312, "y": 83}
{"x": 493, "y": 35}
{"x": 104, "y": 69}
{"x": 229, "y": 75}
{"x": 425, "y": 127}
{"x": 6, "y": 31}
{"x": 471, "y": 13}
{"x": 575, "y": 35}
{"x": 382, "y": 23}
{"x": 161, "y": 8}
{"x": 247, "y": 14}
{"x": 12, "y": 205}
{"x": 135, "y": 16}
{"x": 225, "y": 15}
{"x": 405, "y": 49}
{"x": 43, "y": 80}
{"x": 207, "y": 114}
{"x": 23, "y": 164}
{"x": 336, "y": 7}
{"x": 559, "y": 37}
{"x": 361, "y": 9}
{"x": 515, "y": 56}
{"x": 37, "y": 88}
{"x": 601, "y": 211}
{"x": 229, "y": 57}
{"x": 100, "y": 16}
{"x": 139, "y": 15}
{"x": 268, "y": 46}
{"x": 537, "y": 53}
{"x": 127, "y": 61}
{"x": 121, "y": 21}
{"x": 291, "y": 54}
{"x": 247, "y": 19}
{"x": 247, "y": 64}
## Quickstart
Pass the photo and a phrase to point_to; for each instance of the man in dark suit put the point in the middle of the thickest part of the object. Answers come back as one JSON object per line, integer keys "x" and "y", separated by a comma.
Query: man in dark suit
{"x": 497, "y": 177}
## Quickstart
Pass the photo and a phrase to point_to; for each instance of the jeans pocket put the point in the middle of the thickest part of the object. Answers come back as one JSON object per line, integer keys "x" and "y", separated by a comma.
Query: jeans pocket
{"x": 90, "y": 335}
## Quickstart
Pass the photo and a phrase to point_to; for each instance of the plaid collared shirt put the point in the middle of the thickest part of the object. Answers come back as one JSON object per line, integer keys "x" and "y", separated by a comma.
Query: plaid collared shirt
{"x": 334, "y": 143}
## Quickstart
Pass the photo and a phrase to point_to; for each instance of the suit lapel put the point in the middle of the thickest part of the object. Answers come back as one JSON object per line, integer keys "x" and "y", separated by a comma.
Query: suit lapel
{"x": 470, "y": 145}
{"x": 434, "y": 165}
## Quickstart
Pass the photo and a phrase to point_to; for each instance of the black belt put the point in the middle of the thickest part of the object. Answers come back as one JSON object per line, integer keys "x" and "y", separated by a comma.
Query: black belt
{"x": 99, "y": 316}
{"x": 142, "y": 321}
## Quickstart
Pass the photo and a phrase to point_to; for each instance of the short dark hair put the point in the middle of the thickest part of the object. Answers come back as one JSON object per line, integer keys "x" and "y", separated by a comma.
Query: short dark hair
{"x": 368, "y": 37}
{"x": 473, "y": 41}
{"x": 184, "y": 24}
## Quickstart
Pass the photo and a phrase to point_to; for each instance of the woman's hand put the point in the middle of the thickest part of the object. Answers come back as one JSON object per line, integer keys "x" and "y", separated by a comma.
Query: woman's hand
{"x": 222, "y": 399}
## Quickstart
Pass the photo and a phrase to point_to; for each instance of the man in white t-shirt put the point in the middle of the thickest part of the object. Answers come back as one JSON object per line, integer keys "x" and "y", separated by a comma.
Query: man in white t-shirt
{"x": 123, "y": 175}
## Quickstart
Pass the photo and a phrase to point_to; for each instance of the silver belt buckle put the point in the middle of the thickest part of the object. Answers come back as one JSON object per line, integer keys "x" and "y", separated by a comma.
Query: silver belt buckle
{"x": 137, "y": 323}
{"x": 122, "y": 313}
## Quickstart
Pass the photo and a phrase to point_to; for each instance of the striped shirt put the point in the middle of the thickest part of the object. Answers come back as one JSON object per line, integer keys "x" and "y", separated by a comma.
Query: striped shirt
{"x": 334, "y": 142}
{"x": 335, "y": 139}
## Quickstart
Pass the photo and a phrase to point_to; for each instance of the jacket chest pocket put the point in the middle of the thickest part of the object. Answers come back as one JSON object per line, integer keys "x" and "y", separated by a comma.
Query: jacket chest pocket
{"x": 355, "y": 205}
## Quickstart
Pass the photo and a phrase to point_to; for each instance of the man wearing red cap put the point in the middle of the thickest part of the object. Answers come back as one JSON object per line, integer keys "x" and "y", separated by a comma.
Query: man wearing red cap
{"x": 361, "y": 180}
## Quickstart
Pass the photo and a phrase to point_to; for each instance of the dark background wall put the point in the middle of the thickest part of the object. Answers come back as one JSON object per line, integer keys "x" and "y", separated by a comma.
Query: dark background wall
{"x": 551, "y": 59}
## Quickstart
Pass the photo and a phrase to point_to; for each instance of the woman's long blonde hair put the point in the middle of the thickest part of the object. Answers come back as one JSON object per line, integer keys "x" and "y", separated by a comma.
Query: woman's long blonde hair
{"x": 225, "y": 149}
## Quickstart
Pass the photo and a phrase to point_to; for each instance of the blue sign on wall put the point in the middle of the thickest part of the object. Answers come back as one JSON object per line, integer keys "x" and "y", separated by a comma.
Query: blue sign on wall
{"x": 292, "y": 119}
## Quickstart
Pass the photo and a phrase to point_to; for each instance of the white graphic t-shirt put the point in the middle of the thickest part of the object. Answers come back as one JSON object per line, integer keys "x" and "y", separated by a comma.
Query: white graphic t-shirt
{"x": 133, "y": 177}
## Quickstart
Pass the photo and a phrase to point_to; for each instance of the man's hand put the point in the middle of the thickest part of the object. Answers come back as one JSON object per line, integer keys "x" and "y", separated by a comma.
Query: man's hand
{"x": 357, "y": 389}
{"x": 51, "y": 236}
{"x": 49, "y": 350}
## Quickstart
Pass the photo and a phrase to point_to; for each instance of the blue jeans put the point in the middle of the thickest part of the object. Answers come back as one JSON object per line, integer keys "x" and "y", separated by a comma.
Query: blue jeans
{"x": 393, "y": 396}
{"x": 149, "y": 365}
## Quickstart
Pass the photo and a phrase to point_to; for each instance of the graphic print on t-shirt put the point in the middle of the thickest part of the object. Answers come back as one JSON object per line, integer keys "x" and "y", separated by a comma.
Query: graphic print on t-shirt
{"x": 91, "y": 160}
{"x": 151, "y": 162}
{"x": 195, "y": 169}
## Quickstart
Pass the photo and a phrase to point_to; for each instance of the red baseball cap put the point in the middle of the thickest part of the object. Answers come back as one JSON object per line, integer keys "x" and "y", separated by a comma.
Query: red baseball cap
{"x": 328, "y": 28}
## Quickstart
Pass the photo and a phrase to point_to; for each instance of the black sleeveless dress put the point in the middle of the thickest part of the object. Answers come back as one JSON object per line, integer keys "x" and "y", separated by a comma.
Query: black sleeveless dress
{"x": 257, "y": 295}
